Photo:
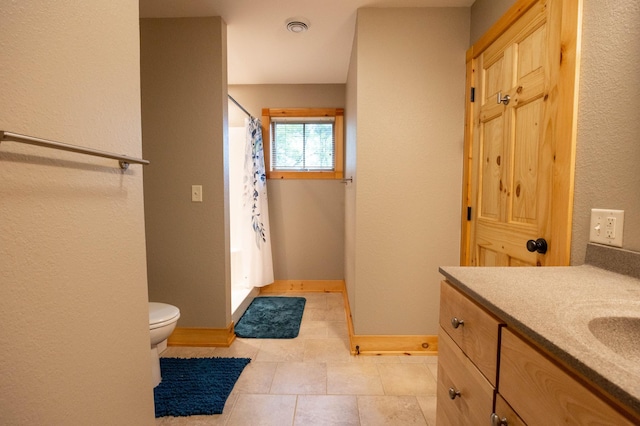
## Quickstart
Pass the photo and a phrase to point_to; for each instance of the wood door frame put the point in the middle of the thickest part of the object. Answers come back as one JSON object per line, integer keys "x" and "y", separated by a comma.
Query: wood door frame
{"x": 570, "y": 40}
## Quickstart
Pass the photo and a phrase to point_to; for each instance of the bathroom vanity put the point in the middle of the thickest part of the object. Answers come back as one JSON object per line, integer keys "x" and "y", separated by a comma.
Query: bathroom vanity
{"x": 538, "y": 346}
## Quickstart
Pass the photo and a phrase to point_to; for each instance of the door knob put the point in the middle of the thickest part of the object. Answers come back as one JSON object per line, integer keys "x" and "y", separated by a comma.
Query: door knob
{"x": 539, "y": 245}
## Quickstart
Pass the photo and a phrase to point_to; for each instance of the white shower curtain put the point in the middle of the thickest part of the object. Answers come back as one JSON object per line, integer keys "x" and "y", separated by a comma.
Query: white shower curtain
{"x": 256, "y": 236}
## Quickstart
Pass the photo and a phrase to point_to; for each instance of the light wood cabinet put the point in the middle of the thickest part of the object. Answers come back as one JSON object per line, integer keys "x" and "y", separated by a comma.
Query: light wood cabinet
{"x": 467, "y": 354}
{"x": 522, "y": 387}
{"x": 465, "y": 396}
{"x": 542, "y": 393}
{"x": 473, "y": 329}
{"x": 505, "y": 415}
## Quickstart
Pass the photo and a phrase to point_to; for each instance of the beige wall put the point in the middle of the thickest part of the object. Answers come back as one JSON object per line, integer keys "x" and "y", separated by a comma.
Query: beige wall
{"x": 608, "y": 153}
{"x": 607, "y": 174}
{"x": 350, "y": 159}
{"x": 307, "y": 216}
{"x": 408, "y": 142}
{"x": 184, "y": 113}
{"x": 74, "y": 345}
{"x": 484, "y": 13}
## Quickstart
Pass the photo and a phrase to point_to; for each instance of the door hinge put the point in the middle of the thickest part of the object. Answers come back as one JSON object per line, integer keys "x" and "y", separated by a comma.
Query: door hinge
{"x": 469, "y": 213}
{"x": 472, "y": 95}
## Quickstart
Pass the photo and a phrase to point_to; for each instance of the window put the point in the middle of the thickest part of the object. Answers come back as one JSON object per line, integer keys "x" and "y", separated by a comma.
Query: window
{"x": 303, "y": 143}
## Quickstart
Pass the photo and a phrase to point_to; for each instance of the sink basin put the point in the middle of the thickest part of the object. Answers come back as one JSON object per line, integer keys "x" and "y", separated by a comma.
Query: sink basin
{"x": 606, "y": 329}
{"x": 621, "y": 334}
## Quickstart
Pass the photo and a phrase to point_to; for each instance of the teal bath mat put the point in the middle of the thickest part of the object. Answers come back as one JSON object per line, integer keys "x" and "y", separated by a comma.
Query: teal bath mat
{"x": 192, "y": 386}
{"x": 272, "y": 318}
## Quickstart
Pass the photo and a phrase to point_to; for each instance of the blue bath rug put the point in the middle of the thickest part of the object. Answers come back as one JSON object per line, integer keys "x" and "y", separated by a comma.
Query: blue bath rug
{"x": 192, "y": 386}
{"x": 272, "y": 318}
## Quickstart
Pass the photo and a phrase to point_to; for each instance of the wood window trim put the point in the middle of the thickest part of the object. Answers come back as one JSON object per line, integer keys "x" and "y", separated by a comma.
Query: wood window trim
{"x": 337, "y": 113}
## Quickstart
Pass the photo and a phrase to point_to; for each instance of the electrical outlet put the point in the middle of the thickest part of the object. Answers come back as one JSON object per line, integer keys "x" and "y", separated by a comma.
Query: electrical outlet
{"x": 610, "y": 228}
{"x": 607, "y": 227}
{"x": 196, "y": 193}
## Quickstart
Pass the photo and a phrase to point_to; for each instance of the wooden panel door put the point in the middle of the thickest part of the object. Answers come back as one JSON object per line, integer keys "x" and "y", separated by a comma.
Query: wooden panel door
{"x": 522, "y": 138}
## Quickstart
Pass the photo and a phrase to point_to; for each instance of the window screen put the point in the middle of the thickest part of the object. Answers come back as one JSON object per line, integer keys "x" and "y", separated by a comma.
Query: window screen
{"x": 302, "y": 144}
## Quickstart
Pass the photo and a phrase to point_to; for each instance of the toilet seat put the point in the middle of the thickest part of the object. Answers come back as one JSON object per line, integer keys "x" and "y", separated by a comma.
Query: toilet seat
{"x": 161, "y": 314}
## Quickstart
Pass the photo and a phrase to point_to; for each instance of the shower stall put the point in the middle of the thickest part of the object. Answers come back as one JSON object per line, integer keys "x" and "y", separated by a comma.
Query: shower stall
{"x": 240, "y": 288}
{"x": 250, "y": 237}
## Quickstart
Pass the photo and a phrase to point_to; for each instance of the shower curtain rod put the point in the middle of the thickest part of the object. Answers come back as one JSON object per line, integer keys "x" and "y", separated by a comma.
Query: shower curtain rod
{"x": 240, "y": 106}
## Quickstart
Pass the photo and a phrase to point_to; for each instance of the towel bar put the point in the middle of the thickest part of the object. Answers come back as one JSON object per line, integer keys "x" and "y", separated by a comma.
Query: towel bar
{"x": 124, "y": 160}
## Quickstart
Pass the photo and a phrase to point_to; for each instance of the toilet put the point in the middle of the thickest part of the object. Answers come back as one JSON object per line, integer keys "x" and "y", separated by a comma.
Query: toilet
{"x": 162, "y": 321}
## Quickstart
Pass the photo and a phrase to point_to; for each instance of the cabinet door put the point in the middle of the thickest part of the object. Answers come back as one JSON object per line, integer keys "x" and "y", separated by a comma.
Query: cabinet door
{"x": 456, "y": 373}
{"x": 477, "y": 336}
{"x": 544, "y": 394}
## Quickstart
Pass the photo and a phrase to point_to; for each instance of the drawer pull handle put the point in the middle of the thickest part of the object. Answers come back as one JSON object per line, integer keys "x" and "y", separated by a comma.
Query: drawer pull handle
{"x": 453, "y": 393}
{"x": 455, "y": 322}
{"x": 497, "y": 421}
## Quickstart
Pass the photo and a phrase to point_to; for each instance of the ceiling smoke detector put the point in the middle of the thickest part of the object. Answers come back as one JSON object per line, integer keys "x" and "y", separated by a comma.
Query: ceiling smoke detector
{"x": 297, "y": 25}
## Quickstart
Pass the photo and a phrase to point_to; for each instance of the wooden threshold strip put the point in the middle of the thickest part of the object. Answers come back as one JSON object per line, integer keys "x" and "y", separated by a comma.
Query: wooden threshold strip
{"x": 203, "y": 337}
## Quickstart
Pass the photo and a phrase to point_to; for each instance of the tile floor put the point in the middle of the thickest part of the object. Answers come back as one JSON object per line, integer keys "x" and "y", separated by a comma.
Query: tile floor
{"x": 314, "y": 380}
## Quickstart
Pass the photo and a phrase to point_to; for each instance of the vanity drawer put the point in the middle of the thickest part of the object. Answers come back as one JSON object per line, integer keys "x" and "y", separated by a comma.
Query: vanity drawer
{"x": 456, "y": 373}
{"x": 477, "y": 335}
{"x": 504, "y": 411}
{"x": 542, "y": 393}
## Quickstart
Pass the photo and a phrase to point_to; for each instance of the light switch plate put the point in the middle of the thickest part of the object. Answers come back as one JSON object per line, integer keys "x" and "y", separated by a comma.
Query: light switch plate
{"x": 196, "y": 193}
{"x": 607, "y": 227}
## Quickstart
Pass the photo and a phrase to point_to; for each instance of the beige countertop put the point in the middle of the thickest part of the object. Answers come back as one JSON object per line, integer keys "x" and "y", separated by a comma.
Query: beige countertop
{"x": 552, "y": 306}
